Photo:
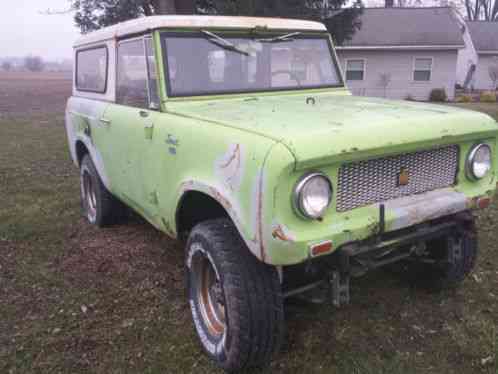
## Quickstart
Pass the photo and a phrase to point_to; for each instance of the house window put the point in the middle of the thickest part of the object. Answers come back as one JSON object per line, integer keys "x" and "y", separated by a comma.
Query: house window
{"x": 422, "y": 70}
{"x": 91, "y": 70}
{"x": 355, "y": 70}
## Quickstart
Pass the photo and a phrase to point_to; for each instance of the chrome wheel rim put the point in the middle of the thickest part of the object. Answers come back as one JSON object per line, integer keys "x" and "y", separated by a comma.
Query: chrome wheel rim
{"x": 89, "y": 196}
{"x": 210, "y": 297}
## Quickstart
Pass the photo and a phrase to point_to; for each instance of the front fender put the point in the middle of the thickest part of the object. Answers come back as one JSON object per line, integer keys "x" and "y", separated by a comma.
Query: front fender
{"x": 247, "y": 198}
{"x": 231, "y": 206}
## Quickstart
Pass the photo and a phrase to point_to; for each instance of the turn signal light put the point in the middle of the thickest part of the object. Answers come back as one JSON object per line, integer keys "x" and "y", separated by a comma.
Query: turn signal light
{"x": 320, "y": 249}
{"x": 483, "y": 202}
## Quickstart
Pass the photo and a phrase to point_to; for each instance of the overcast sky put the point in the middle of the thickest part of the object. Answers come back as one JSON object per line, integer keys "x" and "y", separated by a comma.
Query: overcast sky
{"x": 24, "y": 30}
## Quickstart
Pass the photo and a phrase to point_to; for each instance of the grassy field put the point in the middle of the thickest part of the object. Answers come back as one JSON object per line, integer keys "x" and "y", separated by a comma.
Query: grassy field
{"x": 75, "y": 299}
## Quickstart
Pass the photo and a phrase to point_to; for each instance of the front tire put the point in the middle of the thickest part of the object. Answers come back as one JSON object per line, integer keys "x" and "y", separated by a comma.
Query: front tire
{"x": 456, "y": 255}
{"x": 447, "y": 262}
{"x": 235, "y": 299}
{"x": 99, "y": 206}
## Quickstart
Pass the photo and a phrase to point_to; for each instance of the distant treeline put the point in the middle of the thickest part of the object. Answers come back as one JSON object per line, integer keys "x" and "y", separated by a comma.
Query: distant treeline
{"x": 34, "y": 64}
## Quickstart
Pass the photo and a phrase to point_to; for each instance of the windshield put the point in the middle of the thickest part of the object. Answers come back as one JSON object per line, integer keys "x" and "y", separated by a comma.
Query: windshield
{"x": 214, "y": 63}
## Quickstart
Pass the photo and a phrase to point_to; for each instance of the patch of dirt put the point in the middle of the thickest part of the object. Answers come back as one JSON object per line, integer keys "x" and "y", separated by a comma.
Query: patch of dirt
{"x": 119, "y": 251}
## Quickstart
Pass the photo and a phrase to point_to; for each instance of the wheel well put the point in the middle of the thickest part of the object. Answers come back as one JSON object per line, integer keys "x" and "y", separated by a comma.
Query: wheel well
{"x": 81, "y": 151}
{"x": 196, "y": 207}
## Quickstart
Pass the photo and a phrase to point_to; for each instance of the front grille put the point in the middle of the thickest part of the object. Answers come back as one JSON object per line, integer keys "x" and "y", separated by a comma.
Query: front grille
{"x": 372, "y": 181}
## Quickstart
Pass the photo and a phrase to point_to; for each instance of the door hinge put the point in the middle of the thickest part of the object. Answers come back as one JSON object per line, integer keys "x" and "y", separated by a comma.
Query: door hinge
{"x": 149, "y": 131}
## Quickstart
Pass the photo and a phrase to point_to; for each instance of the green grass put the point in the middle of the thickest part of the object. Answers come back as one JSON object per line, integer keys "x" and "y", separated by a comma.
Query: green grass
{"x": 75, "y": 299}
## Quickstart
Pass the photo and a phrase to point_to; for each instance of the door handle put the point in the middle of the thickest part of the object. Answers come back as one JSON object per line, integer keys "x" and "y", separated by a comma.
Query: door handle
{"x": 172, "y": 140}
{"x": 105, "y": 121}
{"x": 143, "y": 113}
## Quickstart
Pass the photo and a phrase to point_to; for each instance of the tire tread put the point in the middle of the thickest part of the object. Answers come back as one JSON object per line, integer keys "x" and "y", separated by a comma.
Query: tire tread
{"x": 254, "y": 289}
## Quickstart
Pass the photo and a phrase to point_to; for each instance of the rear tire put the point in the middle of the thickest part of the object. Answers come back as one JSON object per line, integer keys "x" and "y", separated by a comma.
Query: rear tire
{"x": 235, "y": 299}
{"x": 99, "y": 207}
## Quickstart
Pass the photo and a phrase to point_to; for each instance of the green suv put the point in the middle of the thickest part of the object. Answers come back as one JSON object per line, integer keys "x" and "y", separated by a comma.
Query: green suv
{"x": 238, "y": 136}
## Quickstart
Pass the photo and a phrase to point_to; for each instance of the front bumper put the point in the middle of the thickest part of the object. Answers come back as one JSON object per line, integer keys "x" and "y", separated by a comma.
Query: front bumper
{"x": 411, "y": 210}
{"x": 288, "y": 248}
{"x": 356, "y": 259}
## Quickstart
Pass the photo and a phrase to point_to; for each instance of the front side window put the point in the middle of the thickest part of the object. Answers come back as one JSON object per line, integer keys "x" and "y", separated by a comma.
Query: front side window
{"x": 355, "y": 70}
{"x": 132, "y": 89}
{"x": 422, "y": 70}
{"x": 217, "y": 63}
{"x": 91, "y": 70}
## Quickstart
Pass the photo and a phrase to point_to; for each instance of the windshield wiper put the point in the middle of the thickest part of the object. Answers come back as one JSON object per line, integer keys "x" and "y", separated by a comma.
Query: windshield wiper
{"x": 281, "y": 38}
{"x": 223, "y": 43}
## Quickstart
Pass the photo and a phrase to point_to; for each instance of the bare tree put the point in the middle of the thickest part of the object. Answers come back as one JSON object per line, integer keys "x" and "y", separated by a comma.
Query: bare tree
{"x": 385, "y": 81}
{"x": 493, "y": 74}
{"x": 479, "y": 10}
{"x": 34, "y": 63}
{"x": 7, "y": 66}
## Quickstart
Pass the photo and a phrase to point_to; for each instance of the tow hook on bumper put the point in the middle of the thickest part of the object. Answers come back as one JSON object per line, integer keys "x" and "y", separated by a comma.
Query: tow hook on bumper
{"x": 339, "y": 288}
{"x": 335, "y": 289}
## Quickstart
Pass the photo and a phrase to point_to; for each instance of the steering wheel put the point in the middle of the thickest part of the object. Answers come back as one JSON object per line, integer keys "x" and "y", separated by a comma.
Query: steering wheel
{"x": 291, "y": 74}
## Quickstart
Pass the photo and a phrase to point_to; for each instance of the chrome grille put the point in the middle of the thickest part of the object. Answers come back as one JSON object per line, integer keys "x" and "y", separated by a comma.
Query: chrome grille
{"x": 372, "y": 181}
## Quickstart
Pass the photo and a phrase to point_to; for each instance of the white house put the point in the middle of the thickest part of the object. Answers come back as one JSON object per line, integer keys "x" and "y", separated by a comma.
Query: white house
{"x": 403, "y": 52}
{"x": 480, "y": 58}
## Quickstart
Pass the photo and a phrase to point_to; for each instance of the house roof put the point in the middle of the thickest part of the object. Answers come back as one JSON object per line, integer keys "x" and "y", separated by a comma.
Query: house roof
{"x": 408, "y": 28}
{"x": 484, "y": 36}
{"x": 145, "y": 24}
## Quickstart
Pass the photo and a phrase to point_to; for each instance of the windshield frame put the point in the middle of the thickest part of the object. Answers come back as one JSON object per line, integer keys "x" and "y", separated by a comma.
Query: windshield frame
{"x": 245, "y": 35}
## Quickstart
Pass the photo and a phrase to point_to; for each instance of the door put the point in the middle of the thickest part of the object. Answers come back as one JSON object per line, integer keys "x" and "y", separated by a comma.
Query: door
{"x": 131, "y": 120}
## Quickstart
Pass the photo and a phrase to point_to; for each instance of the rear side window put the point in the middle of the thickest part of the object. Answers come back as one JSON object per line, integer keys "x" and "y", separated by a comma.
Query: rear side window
{"x": 91, "y": 70}
{"x": 132, "y": 88}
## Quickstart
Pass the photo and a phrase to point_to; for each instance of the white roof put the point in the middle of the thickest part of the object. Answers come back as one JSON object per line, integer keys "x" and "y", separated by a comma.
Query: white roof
{"x": 145, "y": 24}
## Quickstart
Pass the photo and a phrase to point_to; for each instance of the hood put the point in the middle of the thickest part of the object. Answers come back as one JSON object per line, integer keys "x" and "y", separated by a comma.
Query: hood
{"x": 317, "y": 128}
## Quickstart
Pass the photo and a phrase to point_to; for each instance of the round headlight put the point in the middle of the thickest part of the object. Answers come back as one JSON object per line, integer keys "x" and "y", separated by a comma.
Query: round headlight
{"x": 312, "y": 195}
{"x": 479, "y": 161}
